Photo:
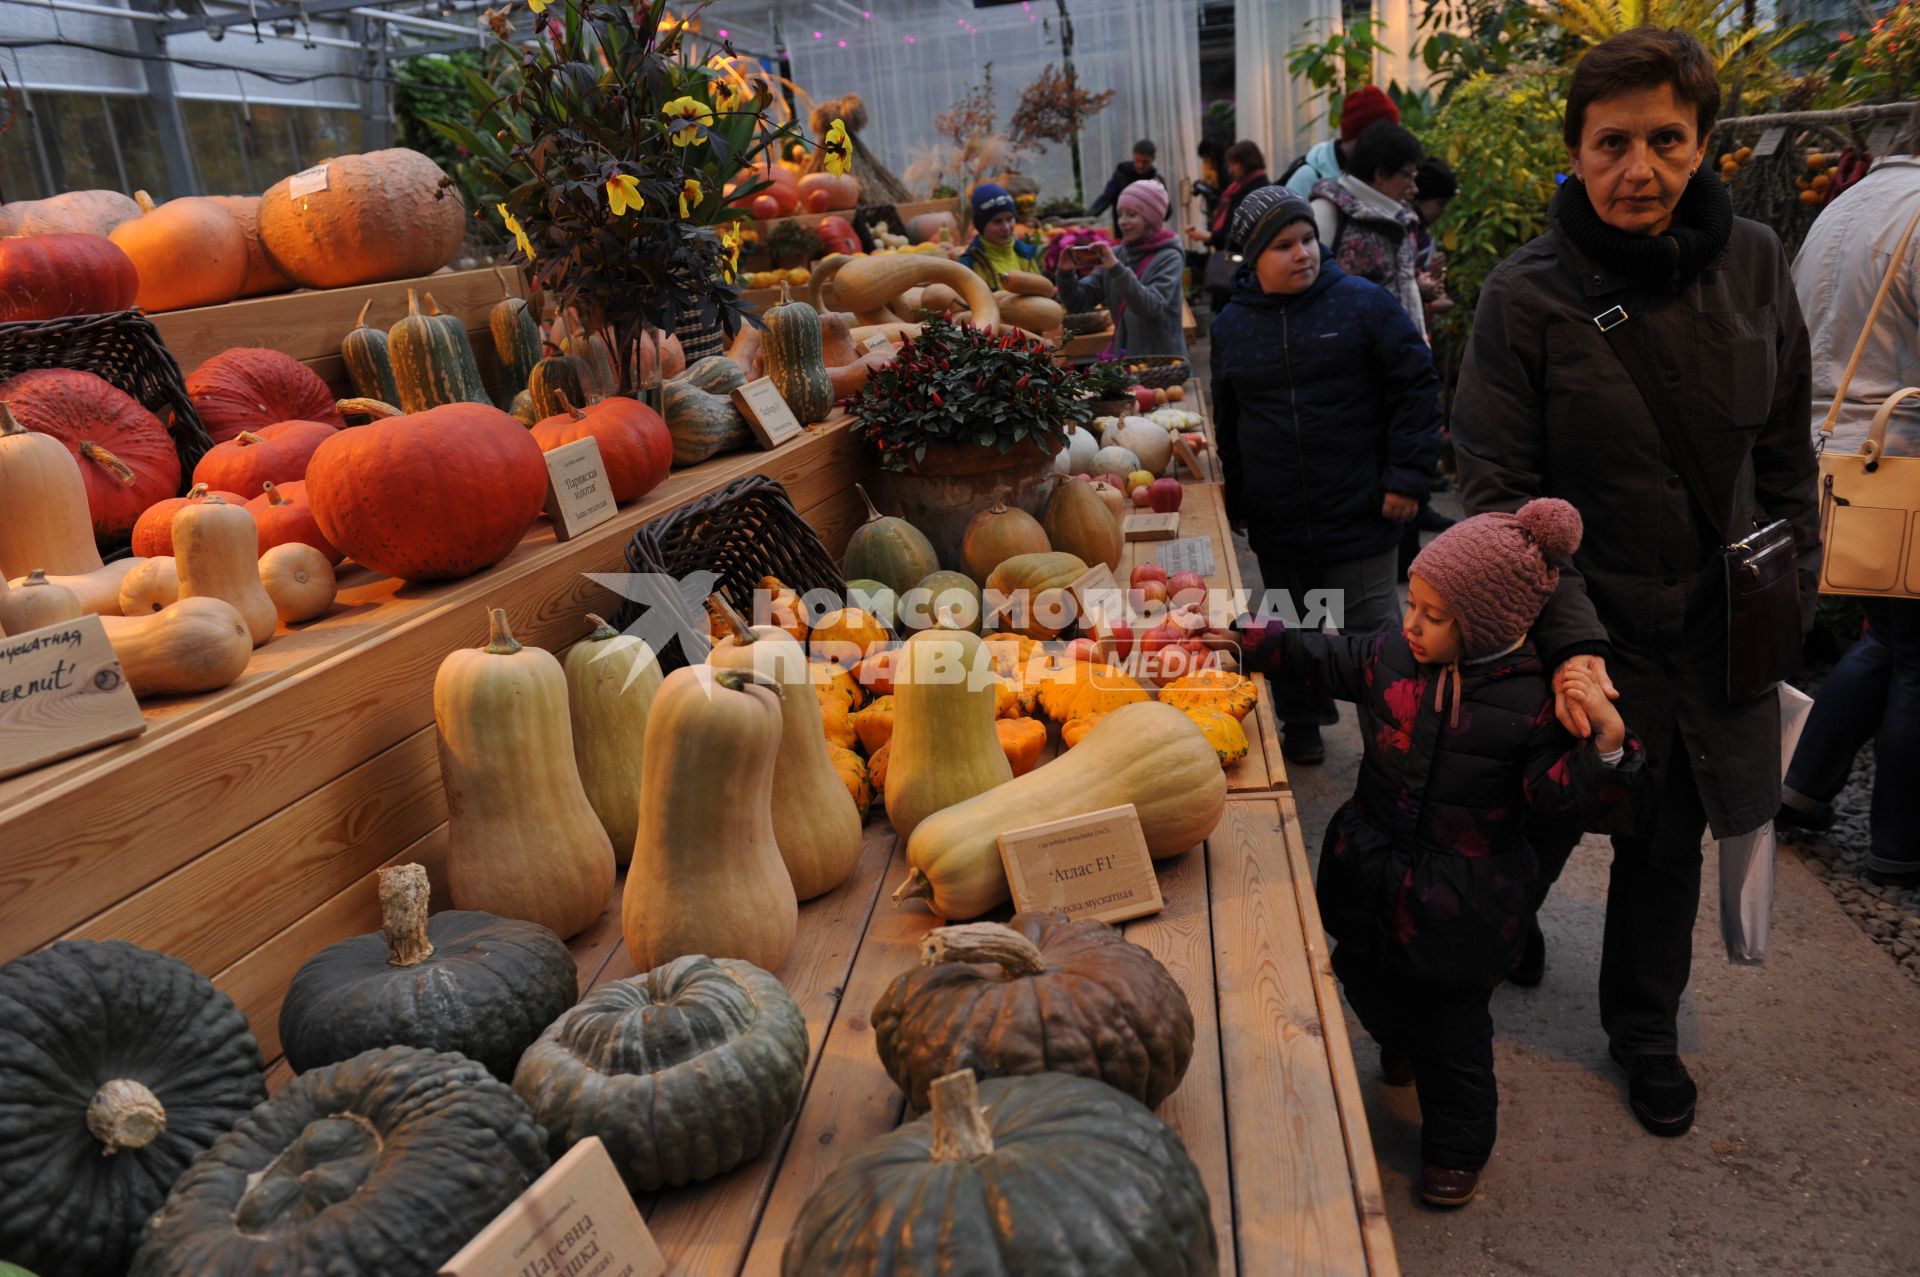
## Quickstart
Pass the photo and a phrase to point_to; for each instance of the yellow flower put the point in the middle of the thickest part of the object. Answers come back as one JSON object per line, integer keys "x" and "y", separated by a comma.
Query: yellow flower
{"x": 538, "y": 6}
{"x": 836, "y": 150}
{"x": 689, "y": 112}
{"x": 730, "y": 243}
{"x": 623, "y": 194}
{"x": 727, "y": 92}
{"x": 690, "y": 197}
{"x": 513, "y": 228}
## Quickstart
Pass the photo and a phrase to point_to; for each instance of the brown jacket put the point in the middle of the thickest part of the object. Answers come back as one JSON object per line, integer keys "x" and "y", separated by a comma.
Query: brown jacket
{"x": 1545, "y": 408}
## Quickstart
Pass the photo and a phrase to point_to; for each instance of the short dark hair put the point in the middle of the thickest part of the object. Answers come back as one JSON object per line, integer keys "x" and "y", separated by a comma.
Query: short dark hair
{"x": 1436, "y": 181}
{"x": 1247, "y": 156}
{"x": 1215, "y": 149}
{"x": 1145, "y": 147}
{"x": 1644, "y": 58}
{"x": 1384, "y": 148}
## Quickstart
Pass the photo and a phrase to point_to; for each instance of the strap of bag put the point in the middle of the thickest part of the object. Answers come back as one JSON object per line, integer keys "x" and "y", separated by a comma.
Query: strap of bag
{"x": 1866, "y": 329}
{"x": 1663, "y": 405}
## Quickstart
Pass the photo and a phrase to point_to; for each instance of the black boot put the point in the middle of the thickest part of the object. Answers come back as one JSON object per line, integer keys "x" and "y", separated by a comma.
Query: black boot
{"x": 1660, "y": 1091}
{"x": 1301, "y": 743}
{"x": 1531, "y": 966}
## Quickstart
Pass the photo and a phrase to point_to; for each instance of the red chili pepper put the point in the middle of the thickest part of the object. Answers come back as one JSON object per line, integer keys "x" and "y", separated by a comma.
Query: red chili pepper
{"x": 1023, "y": 382}
{"x": 937, "y": 401}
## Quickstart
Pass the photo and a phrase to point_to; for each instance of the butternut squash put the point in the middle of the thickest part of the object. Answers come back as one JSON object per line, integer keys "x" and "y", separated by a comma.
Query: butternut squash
{"x": 98, "y": 590}
{"x": 1147, "y": 754}
{"x": 195, "y": 645}
{"x": 43, "y": 505}
{"x": 35, "y": 602}
{"x": 216, "y": 551}
{"x": 611, "y": 682}
{"x": 815, "y": 819}
{"x": 866, "y": 285}
{"x": 1038, "y": 315}
{"x": 299, "y": 579}
{"x": 944, "y": 747}
{"x": 523, "y": 841}
{"x": 151, "y": 587}
{"x": 707, "y": 876}
{"x": 836, "y": 340}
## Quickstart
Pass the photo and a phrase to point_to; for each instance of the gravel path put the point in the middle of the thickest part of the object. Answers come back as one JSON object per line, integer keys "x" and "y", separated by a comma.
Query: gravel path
{"x": 1889, "y": 915}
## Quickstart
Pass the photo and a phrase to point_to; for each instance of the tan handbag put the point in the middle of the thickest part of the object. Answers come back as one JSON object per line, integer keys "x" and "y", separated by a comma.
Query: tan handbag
{"x": 1870, "y": 502}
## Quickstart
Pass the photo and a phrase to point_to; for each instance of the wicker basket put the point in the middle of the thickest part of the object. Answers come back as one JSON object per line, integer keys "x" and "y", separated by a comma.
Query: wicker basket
{"x": 746, "y": 530}
{"x": 1158, "y": 372}
{"x": 1086, "y": 321}
{"x": 124, "y": 349}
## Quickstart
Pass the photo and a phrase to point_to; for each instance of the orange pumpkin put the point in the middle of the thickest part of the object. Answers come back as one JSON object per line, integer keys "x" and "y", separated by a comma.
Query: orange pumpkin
{"x": 359, "y": 219}
{"x": 50, "y": 276}
{"x": 428, "y": 497}
{"x": 840, "y": 192}
{"x": 189, "y": 252}
{"x": 661, "y": 358}
{"x": 278, "y": 454}
{"x": 126, "y": 457}
{"x": 262, "y": 275}
{"x": 1022, "y": 740}
{"x": 250, "y": 388}
{"x": 282, "y": 514}
{"x": 635, "y": 448}
{"x": 153, "y": 530}
{"x": 785, "y": 191}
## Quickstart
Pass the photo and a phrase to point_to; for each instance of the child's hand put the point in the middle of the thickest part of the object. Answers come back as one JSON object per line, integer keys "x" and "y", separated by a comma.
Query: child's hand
{"x": 1585, "y": 692}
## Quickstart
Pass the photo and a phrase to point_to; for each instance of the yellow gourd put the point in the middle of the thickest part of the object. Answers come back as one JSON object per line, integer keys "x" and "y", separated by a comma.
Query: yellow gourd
{"x": 944, "y": 747}
{"x": 1022, "y": 740}
{"x": 298, "y": 578}
{"x": 874, "y": 724}
{"x": 816, "y": 821}
{"x": 1212, "y": 689}
{"x": 611, "y": 682}
{"x": 852, "y": 770}
{"x": 216, "y": 550}
{"x": 195, "y": 645}
{"x": 34, "y": 603}
{"x": 523, "y": 841}
{"x": 707, "y": 876}
{"x": 152, "y": 586}
{"x": 1223, "y": 732}
{"x": 1148, "y": 754}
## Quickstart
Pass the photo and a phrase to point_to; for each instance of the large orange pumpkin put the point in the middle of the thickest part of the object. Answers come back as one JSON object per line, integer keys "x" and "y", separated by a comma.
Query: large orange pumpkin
{"x": 359, "y": 219}
{"x": 153, "y": 530}
{"x": 277, "y": 454}
{"x": 282, "y": 513}
{"x": 251, "y": 388}
{"x": 437, "y": 495}
{"x": 262, "y": 276}
{"x": 635, "y": 448}
{"x": 189, "y": 252}
{"x": 48, "y": 276}
{"x": 126, "y": 457}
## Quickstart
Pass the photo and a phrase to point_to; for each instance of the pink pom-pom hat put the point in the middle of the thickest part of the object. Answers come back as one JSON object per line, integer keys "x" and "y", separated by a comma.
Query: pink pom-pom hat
{"x": 1496, "y": 571}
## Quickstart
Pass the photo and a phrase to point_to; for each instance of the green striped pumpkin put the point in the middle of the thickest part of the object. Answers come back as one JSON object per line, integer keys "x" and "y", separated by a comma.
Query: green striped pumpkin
{"x": 427, "y": 367}
{"x": 521, "y": 409}
{"x": 369, "y": 367}
{"x": 791, "y": 348}
{"x": 516, "y": 340}
{"x": 463, "y": 348}
{"x": 556, "y": 383}
{"x": 701, "y": 423}
{"x": 716, "y": 374}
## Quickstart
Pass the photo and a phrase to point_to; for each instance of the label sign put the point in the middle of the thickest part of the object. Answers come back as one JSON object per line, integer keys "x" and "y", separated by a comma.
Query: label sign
{"x": 1151, "y": 527}
{"x": 878, "y": 342}
{"x": 578, "y": 494}
{"x": 61, "y": 693}
{"x": 577, "y": 1219}
{"x": 310, "y": 181}
{"x": 1187, "y": 554}
{"x": 1098, "y": 594}
{"x": 1769, "y": 142}
{"x": 771, "y": 420}
{"x": 1093, "y": 866}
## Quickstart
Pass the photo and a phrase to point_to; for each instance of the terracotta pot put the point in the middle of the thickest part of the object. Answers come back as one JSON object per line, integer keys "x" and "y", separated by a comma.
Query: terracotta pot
{"x": 954, "y": 482}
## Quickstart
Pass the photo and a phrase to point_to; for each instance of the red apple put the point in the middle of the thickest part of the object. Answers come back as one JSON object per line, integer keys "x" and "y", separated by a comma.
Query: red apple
{"x": 1180, "y": 582}
{"x": 1149, "y": 594}
{"x": 1145, "y": 572}
{"x": 818, "y": 201}
{"x": 1141, "y": 499}
{"x": 1143, "y": 395}
{"x": 1085, "y": 650}
{"x": 1164, "y": 495}
{"x": 1115, "y": 639}
{"x": 1083, "y": 478}
{"x": 1112, "y": 480}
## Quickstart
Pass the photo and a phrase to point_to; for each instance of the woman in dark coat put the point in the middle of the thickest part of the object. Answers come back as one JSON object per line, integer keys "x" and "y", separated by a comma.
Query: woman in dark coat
{"x": 1644, "y": 255}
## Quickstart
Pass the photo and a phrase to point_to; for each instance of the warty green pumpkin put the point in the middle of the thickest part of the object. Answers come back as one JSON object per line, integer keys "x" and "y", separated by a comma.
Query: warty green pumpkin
{"x": 795, "y": 360}
{"x": 369, "y": 361}
{"x": 703, "y": 424}
{"x": 683, "y": 1073}
{"x": 429, "y": 365}
{"x": 889, "y": 550}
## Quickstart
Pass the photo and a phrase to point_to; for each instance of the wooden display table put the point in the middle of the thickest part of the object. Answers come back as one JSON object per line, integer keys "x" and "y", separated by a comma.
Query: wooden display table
{"x": 1079, "y": 347}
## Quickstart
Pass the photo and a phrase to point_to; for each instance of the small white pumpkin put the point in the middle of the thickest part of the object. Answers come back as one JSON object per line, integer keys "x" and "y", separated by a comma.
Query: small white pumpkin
{"x": 1077, "y": 456}
{"x": 1146, "y": 439}
{"x": 1115, "y": 460}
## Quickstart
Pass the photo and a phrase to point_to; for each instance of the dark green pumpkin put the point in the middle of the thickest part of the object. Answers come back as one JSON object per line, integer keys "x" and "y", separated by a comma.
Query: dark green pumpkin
{"x": 889, "y": 550}
{"x": 369, "y": 364}
{"x": 75, "y": 1018}
{"x": 475, "y": 386}
{"x": 471, "y": 982}
{"x": 384, "y": 1165}
{"x": 702, "y": 423}
{"x": 516, "y": 340}
{"x": 555, "y": 383}
{"x": 429, "y": 367}
{"x": 794, "y": 357}
{"x": 684, "y": 1072}
{"x": 1043, "y": 1176}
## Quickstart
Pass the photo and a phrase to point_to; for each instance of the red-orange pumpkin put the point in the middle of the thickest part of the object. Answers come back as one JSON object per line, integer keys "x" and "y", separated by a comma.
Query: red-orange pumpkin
{"x": 126, "y": 457}
{"x": 153, "y": 530}
{"x": 428, "y": 497}
{"x": 49, "y": 276}
{"x": 634, "y": 444}
{"x": 838, "y": 236}
{"x": 840, "y": 192}
{"x": 249, "y": 388}
{"x": 283, "y": 514}
{"x": 785, "y": 191}
{"x": 278, "y": 453}
{"x": 764, "y": 208}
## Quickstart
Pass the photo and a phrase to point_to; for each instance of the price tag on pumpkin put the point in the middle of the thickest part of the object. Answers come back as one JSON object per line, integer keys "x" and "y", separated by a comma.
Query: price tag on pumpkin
{"x": 1769, "y": 142}
{"x": 878, "y": 342}
{"x": 577, "y": 1219}
{"x": 61, "y": 693}
{"x": 578, "y": 494}
{"x": 308, "y": 181}
{"x": 1093, "y": 866}
{"x": 767, "y": 414}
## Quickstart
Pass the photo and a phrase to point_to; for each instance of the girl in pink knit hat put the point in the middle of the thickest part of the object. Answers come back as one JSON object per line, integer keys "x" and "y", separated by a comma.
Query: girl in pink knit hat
{"x": 1140, "y": 282}
{"x": 1428, "y": 873}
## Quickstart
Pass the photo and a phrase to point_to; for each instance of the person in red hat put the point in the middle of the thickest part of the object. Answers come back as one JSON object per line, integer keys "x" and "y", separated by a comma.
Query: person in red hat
{"x": 1327, "y": 161}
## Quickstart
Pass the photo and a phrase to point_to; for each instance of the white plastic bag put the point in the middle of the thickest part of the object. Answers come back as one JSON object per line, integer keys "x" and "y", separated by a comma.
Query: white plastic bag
{"x": 1746, "y": 860}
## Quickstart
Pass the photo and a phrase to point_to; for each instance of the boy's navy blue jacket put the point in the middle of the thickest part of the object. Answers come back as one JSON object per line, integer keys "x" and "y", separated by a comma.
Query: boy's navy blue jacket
{"x": 1429, "y": 863}
{"x": 1324, "y": 402}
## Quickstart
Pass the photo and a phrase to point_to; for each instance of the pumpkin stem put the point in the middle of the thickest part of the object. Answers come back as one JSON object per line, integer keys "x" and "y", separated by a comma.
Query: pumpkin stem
{"x": 9, "y": 425}
{"x": 413, "y": 304}
{"x": 433, "y": 307}
{"x": 364, "y": 308}
{"x": 601, "y": 630}
{"x": 1000, "y": 499}
{"x": 960, "y": 1130}
{"x": 36, "y": 577}
{"x": 735, "y": 680}
{"x": 500, "y": 639}
{"x": 403, "y": 914}
{"x": 213, "y": 498}
{"x": 916, "y": 887}
{"x": 728, "y": 615}
{"x": 113, "y": 465}
{"x": 125, "y": 1114}
{"x": 374, "y": 408}
{"x": 145, "y": 201}
{"x": 246, "y": 439}
{"x": 273, "y": 494}
{"x": 982, "y": 942}
{"x": 873, "y": 511}
{"x": 197, "y": 492}
{"x": 566, "y": 406}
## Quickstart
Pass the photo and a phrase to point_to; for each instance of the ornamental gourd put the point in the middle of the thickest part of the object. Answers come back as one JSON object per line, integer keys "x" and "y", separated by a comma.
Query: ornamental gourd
{"x": 360, "y": 219}
{"x": 118, "y": 1066}
{"x": 457, "y": 340}
{"x": 283, "y": 515}
{"x": 612, "y": 679}
{"x": 522, "y": 840}
{"x": 1079, "y": 523}
{"x": 815, "y": 821}
{"x": 127, "y": 459}
{"x": 707, "y": 877}
{"x": 944, "y": 748}
{"x": 792, "y": 351}
{"x": 635, "y": 449}
{"x": 429, "y": 363}
{"x": 889, "y": 550}
{"x": 868, "y": 285}
{"x": 189, "y": 252}
{"x": 369, "y": 361}
{"x": 383, "y": 1165}
{"x": 1027, "y": 1176}
{"x": 429, "y": 497}
{"x": 299, "y": 580}
{"x": 191, "y": 646}
{"x": 1041, "y": 994}
{"x": 515, "y": 331}
{"x": 251, "y": 388}
{"x": 997, "y": 534}
{"x": 703, "y": 425}
{"x": 1147, "y": 754}
{"x": 274, "y": 454}
{"x": 554, "y": 381}
{"x": 683, "y": 1073}
{"x": 216, "y": 550}
{"x": 457, "y": 981}
{"x": 52, "y": 276}
{"x": 34, "y": 603}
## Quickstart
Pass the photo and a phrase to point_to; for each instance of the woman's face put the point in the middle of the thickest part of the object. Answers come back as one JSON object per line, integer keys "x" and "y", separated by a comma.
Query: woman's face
{"x": 1291, "y": 263}
{"x": 1209, "y": 170}
{"x": 1400, "y": 184}
{"x": 1132, "y": 225}
{"x": 999, "y": 229}
{"x": 1637, "y": 151}
{"x": 1234, "y": 171}
{"x": 1431, "y": 209}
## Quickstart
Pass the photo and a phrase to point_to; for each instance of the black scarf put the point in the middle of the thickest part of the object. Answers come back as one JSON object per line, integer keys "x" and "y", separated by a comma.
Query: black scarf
{"x": 1702, "y": 225}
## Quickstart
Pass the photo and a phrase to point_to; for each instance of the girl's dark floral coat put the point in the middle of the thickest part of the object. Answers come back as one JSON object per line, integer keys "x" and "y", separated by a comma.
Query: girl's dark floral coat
{"x": 1431, "y": 862}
